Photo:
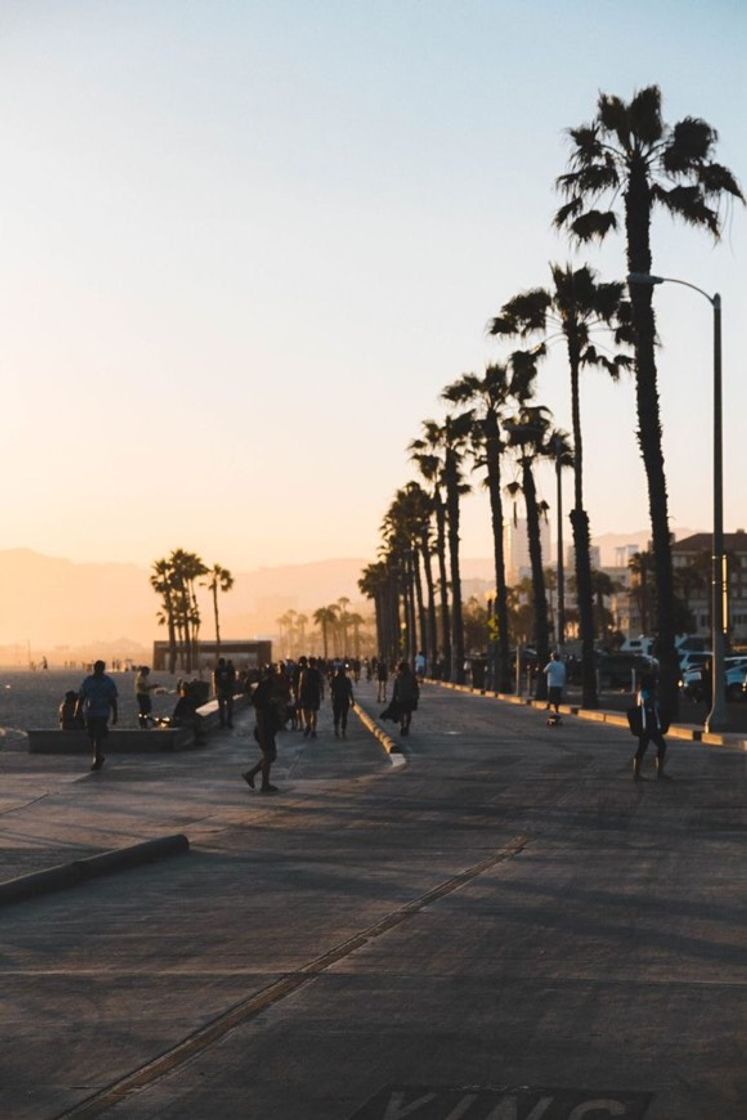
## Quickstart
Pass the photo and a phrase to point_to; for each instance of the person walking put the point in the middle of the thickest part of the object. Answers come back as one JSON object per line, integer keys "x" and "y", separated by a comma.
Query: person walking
{"x": 405, "y": 696}
{"x": 420, "y": 665}
{"x": 311, "y": 694}
{"x": 97, "y": 698}
{"x": 652, "y": 727}
{"x": 224, "y": 686}
{"x": 555, "y": 673}
{"x": 341, "y": 690}
{"x": 143, "y": 689}
{"x": 264, "y": 701}
{"x": 382, "y": 677}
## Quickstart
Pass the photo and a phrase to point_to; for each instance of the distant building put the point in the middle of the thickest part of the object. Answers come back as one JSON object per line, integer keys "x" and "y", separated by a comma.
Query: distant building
{"x": 516, "y": 550}
{"x": 244, "y": 653}
{"x": 595, "y": 555}
{"x": 624, "y": 552}
{"x": 692, "y": 549}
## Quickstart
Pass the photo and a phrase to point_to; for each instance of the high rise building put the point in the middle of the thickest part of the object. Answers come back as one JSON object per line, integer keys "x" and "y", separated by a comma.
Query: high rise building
{"x": 516, "y": 550}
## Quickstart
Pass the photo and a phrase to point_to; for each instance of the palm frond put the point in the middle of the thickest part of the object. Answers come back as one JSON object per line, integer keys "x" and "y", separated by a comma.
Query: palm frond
{"x": 715, "y": 179}
{"x": 644, "y": 113}
{"x": 613, "y": 115}
{"x": 689, "y": 204}
{"x": 692, "y": 141}
{"x": 594, "y": 224}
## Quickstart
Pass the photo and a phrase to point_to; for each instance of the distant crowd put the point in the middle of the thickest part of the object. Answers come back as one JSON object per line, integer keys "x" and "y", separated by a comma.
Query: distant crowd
{"x": 285, "y": 696}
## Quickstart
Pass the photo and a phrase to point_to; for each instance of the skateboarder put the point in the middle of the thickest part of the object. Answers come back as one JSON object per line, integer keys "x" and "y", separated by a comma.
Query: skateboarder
{"x": 555, "y": 673}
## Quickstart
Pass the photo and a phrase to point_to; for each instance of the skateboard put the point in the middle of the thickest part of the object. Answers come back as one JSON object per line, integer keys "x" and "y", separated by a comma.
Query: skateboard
{"x": 553, "y": 720}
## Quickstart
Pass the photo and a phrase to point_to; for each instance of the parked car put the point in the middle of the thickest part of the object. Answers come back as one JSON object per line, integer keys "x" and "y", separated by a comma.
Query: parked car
{"x": 734, "y": 683}
{"x": 616, "y": 669}
{"x": 641, "y": 645}
{"x": 691, "y": 659}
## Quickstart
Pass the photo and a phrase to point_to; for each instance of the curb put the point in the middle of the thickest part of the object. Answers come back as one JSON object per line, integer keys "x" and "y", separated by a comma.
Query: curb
{"x": 81, "y": 870}
{"x": 601, "y": 715}
{"x": 390, "y": 745}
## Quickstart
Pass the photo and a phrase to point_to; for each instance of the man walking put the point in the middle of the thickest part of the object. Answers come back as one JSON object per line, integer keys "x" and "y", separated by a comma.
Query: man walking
{"x": 382, "y": 676}
{"x": 265, "y": 709}
{"x": 96, "y": 699}
{"x": 341, "y": 689}
{"x": 311, "y": 694}
{"x": 224, "y": 686}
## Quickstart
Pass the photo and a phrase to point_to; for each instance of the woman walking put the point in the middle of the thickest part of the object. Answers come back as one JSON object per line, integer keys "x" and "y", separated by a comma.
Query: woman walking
{"x": 405, "y": 696}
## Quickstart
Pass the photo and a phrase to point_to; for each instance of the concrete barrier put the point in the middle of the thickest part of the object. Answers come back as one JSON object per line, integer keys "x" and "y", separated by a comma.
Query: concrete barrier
{"x": 734, "y": 740}
{"x": 79, "y": 871}
{"x": 123, "y": 740}
{"x": 390, "y": 745}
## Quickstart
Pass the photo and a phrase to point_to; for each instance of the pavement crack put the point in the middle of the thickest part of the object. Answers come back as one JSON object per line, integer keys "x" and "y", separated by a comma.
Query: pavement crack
{"x": 247, "y": 1009}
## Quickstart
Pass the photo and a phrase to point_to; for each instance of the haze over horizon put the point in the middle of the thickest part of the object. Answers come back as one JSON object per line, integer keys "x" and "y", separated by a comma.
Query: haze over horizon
{"x": 245, "y": 247}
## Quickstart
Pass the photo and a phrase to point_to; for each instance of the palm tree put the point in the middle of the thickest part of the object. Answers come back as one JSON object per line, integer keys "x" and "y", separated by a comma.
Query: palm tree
{"x": 629, "y": 151}
{"x": 573, "y": 308}
{"x": 425, "y": 453}
{"x": 528, "y": 434}
{"x": 641, "y": 564}
{"x": 301, "y": 621}
{"x": 343, "y": 603}
{"x": 219, "y": 579}
{"x": 161, "y": 583}
{"x": 356, "y": 621}
{"x": 378, "y": 583}
{"x": 325, "y": 617}
{"x": 490, "y": 394}
{"x": 451, "y": 438}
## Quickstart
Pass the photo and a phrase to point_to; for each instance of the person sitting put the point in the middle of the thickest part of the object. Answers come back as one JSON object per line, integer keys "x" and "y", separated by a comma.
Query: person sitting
{"x": 185, "y": 712}
{"x": 69, "y": 719}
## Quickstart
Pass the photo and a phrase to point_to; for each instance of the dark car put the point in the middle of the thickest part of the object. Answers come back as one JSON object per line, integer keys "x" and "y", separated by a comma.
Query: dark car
{"x": 616, "y": 669}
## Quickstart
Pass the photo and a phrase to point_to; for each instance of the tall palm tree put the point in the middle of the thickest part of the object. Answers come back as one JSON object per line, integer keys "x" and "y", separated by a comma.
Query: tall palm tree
{"x": 301, "y": 620}
{"x": 628, "y": 151}
{"x": 343, "y": 621}
{"x": 425, "y": 453}
{"x": 490, "y": 394}
{"x": 325, "y": 617}
{"x": 378, "y": 583}
{"x": 160, "y": 581}
{"x": 573, "y": 309}
{"x": 529, "y": 434}
{"x": 219, "y": 579}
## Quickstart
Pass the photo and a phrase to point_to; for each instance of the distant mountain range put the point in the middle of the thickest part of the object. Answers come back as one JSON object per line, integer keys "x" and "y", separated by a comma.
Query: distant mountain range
{"x": 55, "y": 606}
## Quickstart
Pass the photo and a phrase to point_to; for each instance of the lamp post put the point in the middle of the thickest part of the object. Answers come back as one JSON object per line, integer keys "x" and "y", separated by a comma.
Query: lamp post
{"x": 717, "y": 719}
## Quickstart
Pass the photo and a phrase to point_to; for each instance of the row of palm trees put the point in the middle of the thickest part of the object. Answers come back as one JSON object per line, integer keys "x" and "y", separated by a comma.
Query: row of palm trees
{"x": 627, "y": 156}
{"x": 175, "y": 578}
{"x": 339, "y": 628}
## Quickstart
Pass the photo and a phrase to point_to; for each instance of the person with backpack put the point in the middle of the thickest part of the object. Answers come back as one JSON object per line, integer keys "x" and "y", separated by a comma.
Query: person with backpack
{"x": 341, "y": 690}
{"x": 651, "y": 727}
{"x": 405, "y": 696}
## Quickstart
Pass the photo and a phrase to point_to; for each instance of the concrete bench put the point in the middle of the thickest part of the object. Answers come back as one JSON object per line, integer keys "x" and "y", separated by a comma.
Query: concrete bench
{"x": 118, "y": 741}
{"x": 123, "y": 740}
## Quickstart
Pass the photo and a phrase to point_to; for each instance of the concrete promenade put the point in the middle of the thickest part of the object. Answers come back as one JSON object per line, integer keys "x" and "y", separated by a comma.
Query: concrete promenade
{"x": 508, "y": 928}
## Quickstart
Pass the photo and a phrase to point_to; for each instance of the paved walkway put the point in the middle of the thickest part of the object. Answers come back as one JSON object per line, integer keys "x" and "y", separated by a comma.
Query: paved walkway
{"x": 508, "y": 911}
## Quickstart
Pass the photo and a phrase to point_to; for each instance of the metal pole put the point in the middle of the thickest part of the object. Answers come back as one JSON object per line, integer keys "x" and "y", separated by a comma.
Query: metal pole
{"x": 518, "y": 669}
{"x": 561, "y": 574}
{"x": 717, "y": 719}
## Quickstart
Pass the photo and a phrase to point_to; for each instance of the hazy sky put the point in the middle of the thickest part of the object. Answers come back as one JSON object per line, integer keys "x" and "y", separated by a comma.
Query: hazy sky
{"x": 245, "y": 244}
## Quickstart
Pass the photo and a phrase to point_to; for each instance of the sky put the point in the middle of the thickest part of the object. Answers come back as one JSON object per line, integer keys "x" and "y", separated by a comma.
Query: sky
{"x": 244, "y": 245}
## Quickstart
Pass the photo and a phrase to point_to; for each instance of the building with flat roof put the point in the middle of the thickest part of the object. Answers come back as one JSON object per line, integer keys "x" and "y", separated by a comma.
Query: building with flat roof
{"x": 244, "y": 652}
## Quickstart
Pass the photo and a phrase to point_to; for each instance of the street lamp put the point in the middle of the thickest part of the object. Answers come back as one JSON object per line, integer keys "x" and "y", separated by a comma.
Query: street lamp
{"x": 716, "y": 720}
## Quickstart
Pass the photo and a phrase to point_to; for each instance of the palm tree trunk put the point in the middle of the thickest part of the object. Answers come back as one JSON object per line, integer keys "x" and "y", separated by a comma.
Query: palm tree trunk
{"x": 637, "y": 224}
{"x": 217, "y": 625}
{"x": 423, "y": 644}
{"x": 539, "y": 596}
{"x": 432, "y": 643}
{"x": 493, "y": 452}
{"x": 444, "y": 582}
{"x": 582, "y": 541}
{"x": 457, "y": 626}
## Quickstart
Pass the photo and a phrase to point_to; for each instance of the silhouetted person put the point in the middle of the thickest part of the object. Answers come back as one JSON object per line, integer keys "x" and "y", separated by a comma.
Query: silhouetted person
{"x": 652, "y": 727}
{"x": 420, "y": 665}
{"x": 265, "y": 709}
{"x": 341, "y": 690}
{"x": 224, "y": 686}
{"x": 70, "y": 718}
{"x": 311, "y": 693}
{"x": 555, "y": 673}
{"x": 143, "y": 689}
{"x": 405, "y": 696}
{"x": 382, "y": 676}
{"x": 96, "y": 699}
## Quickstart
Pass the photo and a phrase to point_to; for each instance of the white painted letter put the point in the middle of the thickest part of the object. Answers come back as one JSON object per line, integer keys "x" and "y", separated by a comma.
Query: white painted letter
{"x": 613, "y": 1108}
{"x": 395, "y": 1110}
